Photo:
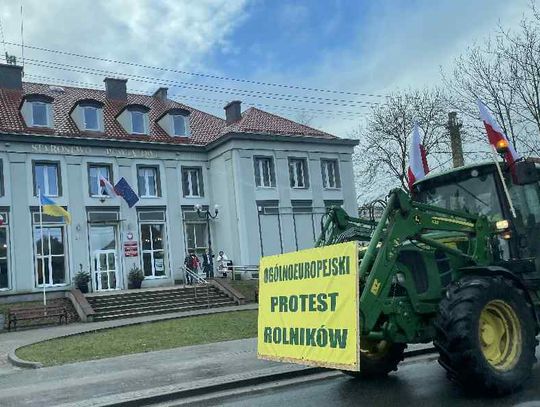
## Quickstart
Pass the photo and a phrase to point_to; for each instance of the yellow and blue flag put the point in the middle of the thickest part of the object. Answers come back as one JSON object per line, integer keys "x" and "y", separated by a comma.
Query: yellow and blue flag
{"x": 53, "y": 209}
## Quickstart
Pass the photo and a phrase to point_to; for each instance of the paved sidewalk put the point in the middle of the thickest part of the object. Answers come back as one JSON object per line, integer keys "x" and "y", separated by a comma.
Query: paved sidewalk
{"x": 9, "y": 341}
{"x": 103, "y": 381}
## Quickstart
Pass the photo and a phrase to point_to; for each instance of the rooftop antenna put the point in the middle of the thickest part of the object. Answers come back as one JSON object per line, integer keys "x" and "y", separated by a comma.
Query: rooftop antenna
{"x": 11, "y": 59}
{"x": 22, "y": 37}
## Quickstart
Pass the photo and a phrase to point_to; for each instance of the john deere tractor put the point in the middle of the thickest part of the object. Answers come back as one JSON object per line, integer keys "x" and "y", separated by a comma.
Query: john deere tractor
{"x": 456, "y": 262}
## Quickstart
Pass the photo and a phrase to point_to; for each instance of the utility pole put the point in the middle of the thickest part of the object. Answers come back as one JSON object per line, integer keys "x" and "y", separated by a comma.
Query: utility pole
{"x": 454, "y": 126}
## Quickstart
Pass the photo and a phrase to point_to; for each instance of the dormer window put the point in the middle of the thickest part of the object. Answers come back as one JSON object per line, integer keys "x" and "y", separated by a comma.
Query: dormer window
{"x": 91, "y": 121}
{"x": 175, "y": 122}
{"x": 88, "y": 115}
{"x": 37, "y": 110}
{"x": 179, "y": 125}
{"x": 40, "y": 116}
{"x": 137, "y": 122}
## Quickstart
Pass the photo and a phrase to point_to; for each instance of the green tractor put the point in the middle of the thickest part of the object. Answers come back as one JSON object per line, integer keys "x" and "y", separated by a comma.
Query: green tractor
{"x": 456, "y": 263}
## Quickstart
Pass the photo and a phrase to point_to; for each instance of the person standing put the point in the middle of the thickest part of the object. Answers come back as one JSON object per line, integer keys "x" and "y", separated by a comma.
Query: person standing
{"x": 188, "y": 262}
{"x": 222, "y": 260}
{"x": 207, "y": 265}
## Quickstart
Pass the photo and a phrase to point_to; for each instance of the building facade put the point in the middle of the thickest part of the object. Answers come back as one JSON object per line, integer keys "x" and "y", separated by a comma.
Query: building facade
{"x": 269, "y": 177}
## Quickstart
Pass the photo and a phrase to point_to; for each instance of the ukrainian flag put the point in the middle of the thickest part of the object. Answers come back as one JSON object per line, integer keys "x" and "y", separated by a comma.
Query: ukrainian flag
{"x": 51, "y": 208}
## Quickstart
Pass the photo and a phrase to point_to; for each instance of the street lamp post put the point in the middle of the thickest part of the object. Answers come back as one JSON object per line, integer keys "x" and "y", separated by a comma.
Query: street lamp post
{"x": 206, "y": 214}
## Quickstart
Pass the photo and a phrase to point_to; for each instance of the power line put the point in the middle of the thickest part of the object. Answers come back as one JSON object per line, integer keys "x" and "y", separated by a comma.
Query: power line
{"x": 212, "y": 102}
{"x": 199, "y": 74}
{"x": 205, "y": 88}
{"x": 149, "y": 79}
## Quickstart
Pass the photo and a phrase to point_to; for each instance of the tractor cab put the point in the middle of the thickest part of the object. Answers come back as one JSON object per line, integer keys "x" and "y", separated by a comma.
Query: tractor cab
{"x": 477, "y": 189}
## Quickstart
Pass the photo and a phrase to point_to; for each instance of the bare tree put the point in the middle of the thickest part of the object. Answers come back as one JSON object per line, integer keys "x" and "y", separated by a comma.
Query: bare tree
{"x": 382, "y": 157}
{"x": 505, "y": 74}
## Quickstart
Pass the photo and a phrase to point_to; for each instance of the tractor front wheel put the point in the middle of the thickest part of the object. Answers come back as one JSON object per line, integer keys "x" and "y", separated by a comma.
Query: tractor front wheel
{"x": 378, "y": 358}
{"x": 486, "y": 335}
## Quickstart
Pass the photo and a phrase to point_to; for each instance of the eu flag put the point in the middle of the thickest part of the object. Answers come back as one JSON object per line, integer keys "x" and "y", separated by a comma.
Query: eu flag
{"x": 123, "y": 189}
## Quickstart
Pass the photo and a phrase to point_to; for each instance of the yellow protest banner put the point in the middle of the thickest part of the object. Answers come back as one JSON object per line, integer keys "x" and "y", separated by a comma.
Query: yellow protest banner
{"x": 308, "y": 307}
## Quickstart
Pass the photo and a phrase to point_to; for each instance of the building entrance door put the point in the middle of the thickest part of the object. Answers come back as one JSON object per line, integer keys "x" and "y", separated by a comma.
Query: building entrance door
{"x": 104, "y": 254}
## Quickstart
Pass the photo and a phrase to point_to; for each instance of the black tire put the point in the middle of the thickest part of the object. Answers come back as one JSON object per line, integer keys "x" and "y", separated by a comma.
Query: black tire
{"x": 475, "y": 311}
{"x": 382, "y": 358}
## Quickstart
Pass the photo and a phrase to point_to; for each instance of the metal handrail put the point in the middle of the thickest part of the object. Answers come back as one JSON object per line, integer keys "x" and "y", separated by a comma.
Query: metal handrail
{"x": 199, "y": 280}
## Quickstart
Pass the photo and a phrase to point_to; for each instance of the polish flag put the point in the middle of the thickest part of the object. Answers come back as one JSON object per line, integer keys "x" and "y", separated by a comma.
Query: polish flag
{"x": 104, "y": 183}
{"x": 495, "y": 134}
{"x": 418, "y": 166}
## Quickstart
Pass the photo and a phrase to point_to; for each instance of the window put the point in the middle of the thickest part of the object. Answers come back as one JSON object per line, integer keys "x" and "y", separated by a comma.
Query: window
{"x": 153, "y": 253}
{"x": 265, "y": 176}
{"x": 298, "y": 174}
{"x": 330, "y": 174}
{"x": 46, "y": 179}
{"x": 196, "y": 232}
{"x": 91, "y": 120}
{"x": 137, "y": 122}
{"x": 94, "y": 172}
{"x": 40, "y": 114}
{"x": 147, "y": 180}
{"x": 49, "y": 254}
{"x": 4, "y": 252}
{"x": 192, "y": 182}
{"x": 179, "y": 125}
{"x": 2, "y": 190}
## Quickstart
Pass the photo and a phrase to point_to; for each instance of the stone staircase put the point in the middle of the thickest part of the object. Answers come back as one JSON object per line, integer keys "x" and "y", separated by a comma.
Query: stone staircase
{"x": 136, "y": 303}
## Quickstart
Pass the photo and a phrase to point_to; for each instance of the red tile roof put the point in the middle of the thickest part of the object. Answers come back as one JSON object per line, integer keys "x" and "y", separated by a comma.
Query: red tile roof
{"x": 258, "y": 121}
{"x": 205, "y": 127}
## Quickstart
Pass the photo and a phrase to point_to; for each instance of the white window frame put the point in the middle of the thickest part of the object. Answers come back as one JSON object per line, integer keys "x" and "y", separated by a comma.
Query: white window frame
{"x": 144, "y": 121}
{"x": 302, "y": 164}
{"x": 260, "y": 162}
{"x": 198, "y": 174}
{"x": 184, "y": 118}
{"x": 193, "y": 224}
{"x": 96, "y": 112}
{"x": 47, "y": 106}
{"x": 152, "y": 250}
{"x": 48, "y": 257}
{"x": 7, "y": 258}
{"x": 46, "y": 188}
{"x": 327, "y": 182}
{"x": 145, "y": 170}
{"x": 101, "y": 189}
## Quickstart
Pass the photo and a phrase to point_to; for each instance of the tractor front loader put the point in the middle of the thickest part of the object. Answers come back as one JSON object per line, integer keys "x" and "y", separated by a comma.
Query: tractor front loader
{"x": 457, "y": 265}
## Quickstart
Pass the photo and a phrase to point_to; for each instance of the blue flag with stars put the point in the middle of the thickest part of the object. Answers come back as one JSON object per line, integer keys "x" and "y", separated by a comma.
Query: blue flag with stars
{"x": 123, "y": 189}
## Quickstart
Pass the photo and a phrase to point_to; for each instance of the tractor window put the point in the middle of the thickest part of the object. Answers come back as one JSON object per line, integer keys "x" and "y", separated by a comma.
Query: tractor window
{"x": 526, "y": 200}
{"x": 474, "y": 195}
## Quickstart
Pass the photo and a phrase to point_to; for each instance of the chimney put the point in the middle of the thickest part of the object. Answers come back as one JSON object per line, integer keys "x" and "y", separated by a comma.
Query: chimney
{"x": 161, "y": 94}
{"x": 232, "y": 111}
{"x": 10, "y": 76}
{"x": 116, "y": 88}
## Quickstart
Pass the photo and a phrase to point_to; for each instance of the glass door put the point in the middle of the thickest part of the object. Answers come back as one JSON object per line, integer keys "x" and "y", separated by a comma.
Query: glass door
{"x": 104, "y": 254}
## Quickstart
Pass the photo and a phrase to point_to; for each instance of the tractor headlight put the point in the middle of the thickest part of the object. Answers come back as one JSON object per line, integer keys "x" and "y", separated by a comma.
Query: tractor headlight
{"x": 502, "y": 225}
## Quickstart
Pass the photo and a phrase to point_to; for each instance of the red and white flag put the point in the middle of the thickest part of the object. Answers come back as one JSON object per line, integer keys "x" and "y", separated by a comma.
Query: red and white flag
{"x": 104, "y": 183}
{"x": 495, "y": 134}
{"x": 418, "y": 166}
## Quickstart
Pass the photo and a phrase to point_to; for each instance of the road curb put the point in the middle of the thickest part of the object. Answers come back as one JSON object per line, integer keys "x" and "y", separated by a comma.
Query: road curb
{"x": 236, "y": 384}
{"x": 18, "y": 362}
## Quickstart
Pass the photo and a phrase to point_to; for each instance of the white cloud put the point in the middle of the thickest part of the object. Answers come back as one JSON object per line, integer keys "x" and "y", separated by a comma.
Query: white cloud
{"x": 171, "y": 33}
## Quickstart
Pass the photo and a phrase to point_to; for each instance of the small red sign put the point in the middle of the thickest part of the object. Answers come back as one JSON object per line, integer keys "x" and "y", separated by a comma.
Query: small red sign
{"x": 131, "y": 249}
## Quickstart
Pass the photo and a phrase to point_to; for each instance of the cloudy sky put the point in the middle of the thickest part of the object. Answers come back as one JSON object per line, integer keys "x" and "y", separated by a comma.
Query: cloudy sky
{"x": 331, "y": 59}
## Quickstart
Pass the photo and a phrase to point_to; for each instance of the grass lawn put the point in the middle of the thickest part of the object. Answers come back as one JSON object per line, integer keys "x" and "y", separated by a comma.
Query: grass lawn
{"x": 246, "y": 287}
{"x": 143, "y": 338}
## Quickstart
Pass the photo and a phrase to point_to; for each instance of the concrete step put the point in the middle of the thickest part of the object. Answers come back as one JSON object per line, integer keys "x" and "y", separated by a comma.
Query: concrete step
{"x": 102, "y": 309}
{"x": 143, "y": 293}
{"x": 138, "y": 313}
{"x": 128, "y": 298}
{"x": 153, "y": 299}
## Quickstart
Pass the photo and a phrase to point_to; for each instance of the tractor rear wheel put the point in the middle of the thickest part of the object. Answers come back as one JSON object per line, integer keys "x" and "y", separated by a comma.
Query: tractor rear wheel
{"x": 486, "y": 335}
{"x": 378, "y": 358}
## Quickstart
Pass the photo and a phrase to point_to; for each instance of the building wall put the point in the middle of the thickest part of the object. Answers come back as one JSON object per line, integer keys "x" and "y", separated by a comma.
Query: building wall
{"x": 229, "y": 182}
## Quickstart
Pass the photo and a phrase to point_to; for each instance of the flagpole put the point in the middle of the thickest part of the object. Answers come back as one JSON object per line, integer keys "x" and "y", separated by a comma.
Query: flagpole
{"x": 505, "y": 188}
{"x": 42, "y": 253}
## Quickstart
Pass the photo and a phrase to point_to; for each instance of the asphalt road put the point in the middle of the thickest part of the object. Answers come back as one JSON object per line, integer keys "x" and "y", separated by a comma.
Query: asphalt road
{"x": 414, "y": 385}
